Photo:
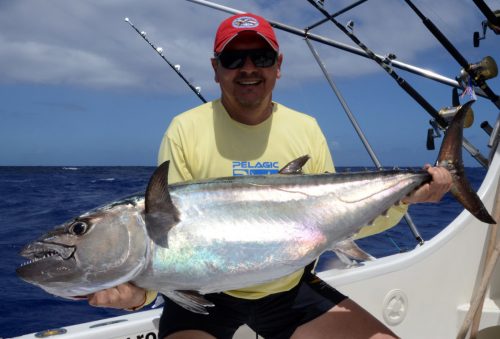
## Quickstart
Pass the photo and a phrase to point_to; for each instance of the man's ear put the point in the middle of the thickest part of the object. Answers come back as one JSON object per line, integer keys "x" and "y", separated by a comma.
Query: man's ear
{"x": 215, "y": 66}
{"x": 280, "y": 60}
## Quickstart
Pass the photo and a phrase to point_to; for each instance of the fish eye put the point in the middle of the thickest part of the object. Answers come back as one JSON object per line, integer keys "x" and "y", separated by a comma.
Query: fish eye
{"x": 78, "y": 228}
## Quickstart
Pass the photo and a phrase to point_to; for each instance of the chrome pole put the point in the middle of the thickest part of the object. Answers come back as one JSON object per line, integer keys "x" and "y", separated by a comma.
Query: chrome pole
{"x": 360, "y": 133}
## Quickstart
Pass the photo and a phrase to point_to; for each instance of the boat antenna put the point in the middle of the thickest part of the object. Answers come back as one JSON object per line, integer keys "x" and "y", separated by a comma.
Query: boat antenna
{"x": 176, "y": 68}
{"x": 385, "y": 64}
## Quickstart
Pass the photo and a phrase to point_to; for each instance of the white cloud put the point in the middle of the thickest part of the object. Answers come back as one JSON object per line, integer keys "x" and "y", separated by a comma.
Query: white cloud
{"x": 37, "y": 62}
{"x": 87, "y": 43}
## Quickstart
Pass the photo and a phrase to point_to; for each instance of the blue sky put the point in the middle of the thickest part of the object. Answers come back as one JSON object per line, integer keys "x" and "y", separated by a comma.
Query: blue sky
{"x": 79, "y": 87}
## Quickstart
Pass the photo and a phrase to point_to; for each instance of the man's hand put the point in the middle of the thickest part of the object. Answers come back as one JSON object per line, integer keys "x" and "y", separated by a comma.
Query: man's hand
{"x": 124, "y": 296}
{"x": 433, "y": 191}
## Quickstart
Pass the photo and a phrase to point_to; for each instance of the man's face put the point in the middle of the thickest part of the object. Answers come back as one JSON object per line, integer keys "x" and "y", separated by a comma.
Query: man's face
{"x": 248, "y": 86}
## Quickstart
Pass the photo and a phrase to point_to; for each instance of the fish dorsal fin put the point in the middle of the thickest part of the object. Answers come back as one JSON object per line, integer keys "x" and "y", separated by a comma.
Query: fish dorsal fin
{"x": 295, "y": 166}
{"x": 190, "y": 300}
{"x": 349, "y": 248}
{"x": 160, "y": 213}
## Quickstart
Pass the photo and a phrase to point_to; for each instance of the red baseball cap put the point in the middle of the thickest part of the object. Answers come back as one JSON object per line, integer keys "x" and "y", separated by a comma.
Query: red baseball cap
{"x": 232, "y": 26}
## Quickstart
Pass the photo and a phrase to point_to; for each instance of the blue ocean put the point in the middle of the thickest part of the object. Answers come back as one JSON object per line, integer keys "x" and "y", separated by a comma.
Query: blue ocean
{"x": 35, "y": 199}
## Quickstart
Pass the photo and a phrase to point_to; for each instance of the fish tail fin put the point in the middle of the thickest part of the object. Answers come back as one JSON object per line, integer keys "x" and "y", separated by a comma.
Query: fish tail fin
{"x": 450, "y": 156}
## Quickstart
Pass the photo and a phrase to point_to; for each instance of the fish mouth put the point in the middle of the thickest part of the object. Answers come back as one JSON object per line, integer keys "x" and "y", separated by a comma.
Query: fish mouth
{"x": 39, "y": 252}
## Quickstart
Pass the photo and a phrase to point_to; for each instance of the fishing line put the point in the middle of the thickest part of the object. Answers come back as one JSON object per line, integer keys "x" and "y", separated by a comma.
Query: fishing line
{"x": 395, "y": 244}
{"x": 176, "y": 68}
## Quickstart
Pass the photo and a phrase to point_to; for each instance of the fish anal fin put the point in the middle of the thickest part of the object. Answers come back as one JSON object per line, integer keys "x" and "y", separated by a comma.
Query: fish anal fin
{"x": 190, "y": 300}
{"x": 295, "y": 166}
{"x": 160, "y": 213}
{"x": 349, "y": 248}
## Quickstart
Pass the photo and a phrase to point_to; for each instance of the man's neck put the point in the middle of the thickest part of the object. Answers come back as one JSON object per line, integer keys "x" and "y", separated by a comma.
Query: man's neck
{"x": 249, "y": 115}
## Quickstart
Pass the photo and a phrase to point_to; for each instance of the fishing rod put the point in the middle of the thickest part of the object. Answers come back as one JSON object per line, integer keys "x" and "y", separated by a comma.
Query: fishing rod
{"x": 478, "y": 73}
{"x": 348, "y": 8}
{"x": 359, "y": 131}
{"x": 176, "y": 68}
{"x": 329, "y": 42}
{"x": 492, "y": 17}
{"x": 385, "y": 64}
{"x": 492, "y": 22}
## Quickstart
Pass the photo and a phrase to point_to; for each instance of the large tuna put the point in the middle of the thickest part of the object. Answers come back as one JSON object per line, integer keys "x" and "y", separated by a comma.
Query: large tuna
{"x": 205, "y": 236}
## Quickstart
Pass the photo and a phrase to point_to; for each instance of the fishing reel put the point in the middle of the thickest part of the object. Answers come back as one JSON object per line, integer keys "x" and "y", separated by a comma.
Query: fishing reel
{"x": 476, "y": 37}
{"x": 483, "y": 70}
{"x": 447, "y": 113}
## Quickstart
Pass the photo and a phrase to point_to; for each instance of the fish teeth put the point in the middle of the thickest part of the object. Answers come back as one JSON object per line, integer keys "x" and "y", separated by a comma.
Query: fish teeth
{"x": 45, "y": 255}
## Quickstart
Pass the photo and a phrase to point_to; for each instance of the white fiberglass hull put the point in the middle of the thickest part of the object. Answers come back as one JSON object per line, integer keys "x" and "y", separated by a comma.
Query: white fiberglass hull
{"x": 425, "y": 293}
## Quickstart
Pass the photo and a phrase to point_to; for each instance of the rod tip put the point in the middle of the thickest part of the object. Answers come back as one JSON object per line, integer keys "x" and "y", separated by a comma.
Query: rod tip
{"x": 127, "y": 20}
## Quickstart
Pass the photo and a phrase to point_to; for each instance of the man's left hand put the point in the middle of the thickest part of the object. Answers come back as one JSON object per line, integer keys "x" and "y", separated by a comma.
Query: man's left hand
{"x": 434, "y": 190}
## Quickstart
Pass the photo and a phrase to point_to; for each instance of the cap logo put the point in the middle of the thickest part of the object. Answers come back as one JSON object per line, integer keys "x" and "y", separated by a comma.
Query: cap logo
{"x": 245, "y": 22}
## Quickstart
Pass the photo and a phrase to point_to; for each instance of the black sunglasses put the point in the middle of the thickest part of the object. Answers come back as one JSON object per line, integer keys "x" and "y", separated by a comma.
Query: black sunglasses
{"x": 233, "y": 59}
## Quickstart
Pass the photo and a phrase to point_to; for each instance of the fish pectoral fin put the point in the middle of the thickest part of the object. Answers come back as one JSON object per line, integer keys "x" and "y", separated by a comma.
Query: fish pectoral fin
{"x": 190, "y": 300}
{"x": 349, "y": 249}
{"x": 160, "y": 213}
{"x": 295, "y": 166}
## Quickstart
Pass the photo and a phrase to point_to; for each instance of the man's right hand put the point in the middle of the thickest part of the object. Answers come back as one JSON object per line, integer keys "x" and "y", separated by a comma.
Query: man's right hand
{"x": 124, "y": 296}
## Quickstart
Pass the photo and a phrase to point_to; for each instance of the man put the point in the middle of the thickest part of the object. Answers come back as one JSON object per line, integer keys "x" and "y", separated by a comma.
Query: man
{"x": 245, "y": 132}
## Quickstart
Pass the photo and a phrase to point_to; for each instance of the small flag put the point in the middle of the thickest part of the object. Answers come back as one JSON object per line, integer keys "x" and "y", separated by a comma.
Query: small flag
{"x": 469, "y": 91}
